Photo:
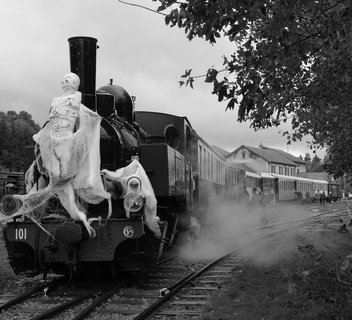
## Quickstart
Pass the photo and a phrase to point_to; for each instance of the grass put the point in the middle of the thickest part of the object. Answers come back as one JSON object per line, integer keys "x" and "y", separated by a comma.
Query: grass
{"x": 304, "y": 284}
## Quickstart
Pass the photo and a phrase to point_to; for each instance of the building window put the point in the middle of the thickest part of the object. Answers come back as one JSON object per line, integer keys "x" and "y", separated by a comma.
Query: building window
{"x": 281, "y": 170}
{"x": 212, "y": 167}
{"x": 204, "y": 164}
{"x": 243, "y": 154}
{"x": 208, "y": 164}
{"x": 272, "y": 169}
{"x": 200, "y": 162}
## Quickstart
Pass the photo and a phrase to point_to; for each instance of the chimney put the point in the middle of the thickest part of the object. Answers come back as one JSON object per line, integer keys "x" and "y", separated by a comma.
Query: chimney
{"x": 83, "y": 52}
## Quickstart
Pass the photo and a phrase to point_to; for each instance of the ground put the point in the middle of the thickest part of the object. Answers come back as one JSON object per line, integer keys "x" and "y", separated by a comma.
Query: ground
{"x": 301, "y": 273}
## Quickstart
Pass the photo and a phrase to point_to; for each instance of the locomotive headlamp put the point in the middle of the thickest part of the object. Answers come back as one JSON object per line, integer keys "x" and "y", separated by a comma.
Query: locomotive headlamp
{"x": 9, "y": 205}
{"x": 133, "y": 202}
{"x": 134, "y": 184}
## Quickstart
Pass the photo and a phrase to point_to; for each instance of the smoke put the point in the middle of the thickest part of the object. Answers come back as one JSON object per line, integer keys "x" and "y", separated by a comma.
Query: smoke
{"x": 241, "y": 226}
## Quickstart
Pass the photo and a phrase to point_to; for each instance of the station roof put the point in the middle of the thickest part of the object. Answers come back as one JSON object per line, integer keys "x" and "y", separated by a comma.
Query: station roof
{"x": 272, "y": 155}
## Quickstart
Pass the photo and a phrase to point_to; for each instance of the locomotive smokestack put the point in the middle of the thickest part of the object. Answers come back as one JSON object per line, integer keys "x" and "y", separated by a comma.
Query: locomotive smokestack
{"x": 83, "y": 53}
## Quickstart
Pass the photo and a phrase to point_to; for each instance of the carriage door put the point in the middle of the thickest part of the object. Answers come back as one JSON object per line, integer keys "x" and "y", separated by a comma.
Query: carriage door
{"x": 189, "y": 184}
{"x": 190, "y": 156}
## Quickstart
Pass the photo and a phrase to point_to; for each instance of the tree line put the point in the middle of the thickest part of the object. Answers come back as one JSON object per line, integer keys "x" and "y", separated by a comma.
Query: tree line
{"x": 314, "y": 164}
{"x": 16, "y": 143}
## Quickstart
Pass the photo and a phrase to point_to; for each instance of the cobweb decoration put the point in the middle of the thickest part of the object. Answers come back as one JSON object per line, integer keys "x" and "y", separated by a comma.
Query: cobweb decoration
{"x": 33, "y": 206}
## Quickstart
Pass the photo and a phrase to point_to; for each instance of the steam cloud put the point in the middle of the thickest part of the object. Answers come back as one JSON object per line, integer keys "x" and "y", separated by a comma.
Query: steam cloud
{"x": 241, "y": 224}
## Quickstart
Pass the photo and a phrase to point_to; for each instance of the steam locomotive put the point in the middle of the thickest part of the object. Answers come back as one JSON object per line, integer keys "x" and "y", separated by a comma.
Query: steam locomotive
{"x": 186, "y": 174}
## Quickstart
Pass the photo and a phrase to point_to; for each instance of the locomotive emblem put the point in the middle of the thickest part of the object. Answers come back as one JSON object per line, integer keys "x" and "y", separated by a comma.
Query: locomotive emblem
{"x": 128, "y": 231}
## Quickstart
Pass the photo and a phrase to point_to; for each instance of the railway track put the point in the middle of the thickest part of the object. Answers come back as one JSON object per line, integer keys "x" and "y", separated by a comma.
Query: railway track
{"x": 50, "y": 299}
{"x": 175, "y": 288}
{"x": 67, "y": 302}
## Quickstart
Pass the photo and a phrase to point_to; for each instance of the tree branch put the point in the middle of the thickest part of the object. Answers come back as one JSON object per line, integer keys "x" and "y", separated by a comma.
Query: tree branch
{"x": 143, "y": 7}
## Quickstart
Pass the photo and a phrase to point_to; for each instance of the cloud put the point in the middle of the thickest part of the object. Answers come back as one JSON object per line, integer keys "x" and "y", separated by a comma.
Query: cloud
{"x": 136, "y": 49}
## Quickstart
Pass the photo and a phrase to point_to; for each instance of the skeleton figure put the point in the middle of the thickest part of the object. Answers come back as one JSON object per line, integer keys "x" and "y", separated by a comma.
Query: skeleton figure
{"x": 63, "y": 150}
{"x": 118, "y": 183}
{"x": 68, "y": 152}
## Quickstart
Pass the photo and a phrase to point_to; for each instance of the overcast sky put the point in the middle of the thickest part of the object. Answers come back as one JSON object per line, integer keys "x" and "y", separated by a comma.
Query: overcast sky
{"x": 136, "y": 49}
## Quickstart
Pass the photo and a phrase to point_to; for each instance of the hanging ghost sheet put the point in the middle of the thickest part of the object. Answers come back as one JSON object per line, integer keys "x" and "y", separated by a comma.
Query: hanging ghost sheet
{"x": 68, "y": 154}
{"x": 120, "y": 178}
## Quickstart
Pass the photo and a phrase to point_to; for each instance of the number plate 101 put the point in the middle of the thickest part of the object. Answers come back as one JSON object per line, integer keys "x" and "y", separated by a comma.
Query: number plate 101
{"x": 21, "y": 234}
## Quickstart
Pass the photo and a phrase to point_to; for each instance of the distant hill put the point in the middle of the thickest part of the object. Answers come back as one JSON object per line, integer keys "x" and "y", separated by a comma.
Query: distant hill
{"x": 221, "y": 151}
